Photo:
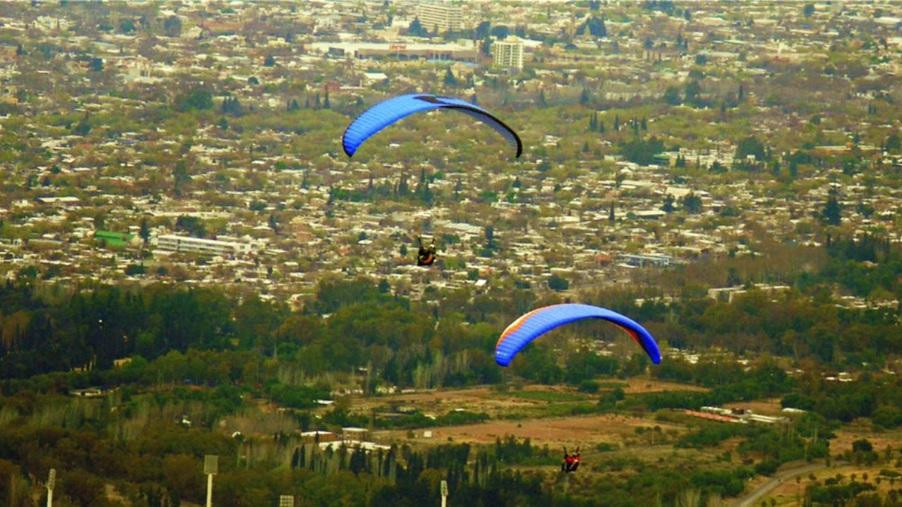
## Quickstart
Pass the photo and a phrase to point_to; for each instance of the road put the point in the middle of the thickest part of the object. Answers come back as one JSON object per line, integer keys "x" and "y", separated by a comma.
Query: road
{"x": 781, "y": 477}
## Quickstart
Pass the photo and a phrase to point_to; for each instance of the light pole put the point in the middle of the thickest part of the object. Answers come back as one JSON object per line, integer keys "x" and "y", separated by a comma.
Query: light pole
{"x": 51, "y": 482}
{"x": 211, "y": 468}
{"x": 444, "y": 493}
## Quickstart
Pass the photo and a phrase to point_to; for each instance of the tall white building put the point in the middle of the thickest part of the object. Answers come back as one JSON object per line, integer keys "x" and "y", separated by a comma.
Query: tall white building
{"x": 508, "y": 53}
{"x": 439, "y": 16}
{"x": 173, "y": 243}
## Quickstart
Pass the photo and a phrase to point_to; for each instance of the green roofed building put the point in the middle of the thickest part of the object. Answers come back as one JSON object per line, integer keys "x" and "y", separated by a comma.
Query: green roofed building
{"x": 114, "y": 239}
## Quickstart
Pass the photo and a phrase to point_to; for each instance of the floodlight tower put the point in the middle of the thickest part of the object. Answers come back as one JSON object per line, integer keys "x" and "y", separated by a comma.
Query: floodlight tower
{"x": 51, "y": 482}
{"x": 211, "y": 468}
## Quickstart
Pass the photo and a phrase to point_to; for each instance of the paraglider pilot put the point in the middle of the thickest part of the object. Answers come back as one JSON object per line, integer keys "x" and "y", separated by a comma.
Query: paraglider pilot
{"x": 571, "y": 461}
{"x": 425, "y": 255}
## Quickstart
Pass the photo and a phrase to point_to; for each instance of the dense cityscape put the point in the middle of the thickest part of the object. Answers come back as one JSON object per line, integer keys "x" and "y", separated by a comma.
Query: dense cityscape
{"x": 193, "y": 266}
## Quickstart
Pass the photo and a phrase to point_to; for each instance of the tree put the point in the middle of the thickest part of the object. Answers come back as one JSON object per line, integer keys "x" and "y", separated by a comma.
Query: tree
{"x": 500, "y": 32}
{"x": 269, "y": 61}
{"x": 693, "y": 93}
{"x": 557, "y": 283}
{"x": 172, "y": 26}
{"x": 83, "y": 127}
{"x": 83, "y": 487}
{"x": 832, "y": 212}
{"x": 692, "y": 203}
{"x": 144, "y": 231}
{"x": 416, "y": 28}
{"x": 642, "y": 152}
{"x": 450, "y": 80}
{"x": 180, "y": 176}
{"x": 750, "y": 146}
{"x": 482, "y": 30}
{"x": 892, "y": 143}
{"x": 487, "y": 46}
{"x": 96, "y": 64}
{"x": 181, "y": 473}
{"x": 197, "y": 98}
{"x": 584, "y": 97}
{"x": 541, "y": 99}
{"x": 733, "y": 278}
{"x": 231, "y": 105}
{"x": 808, "y": 10}
{"x": 127, "y": 26}
{"x": 326, "y": 103}
{"x": 594, "y": 26}
{"x": 192, "y": 225}
{"x": 793, "y": 168}
{"x": 668, "y": 207}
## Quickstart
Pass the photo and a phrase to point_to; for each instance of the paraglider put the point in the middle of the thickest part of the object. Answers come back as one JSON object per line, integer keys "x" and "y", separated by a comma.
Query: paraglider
{"x": 425, "y": 254}
{"x": 394, "y": 109}
{"x": 531, "y": 325}
{"x": 570, "y": 462}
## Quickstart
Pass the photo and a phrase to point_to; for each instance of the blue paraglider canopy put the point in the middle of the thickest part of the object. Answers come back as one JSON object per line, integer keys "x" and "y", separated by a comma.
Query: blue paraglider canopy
{"x": 531, "y": 325}
{"x": 394, "y": 109}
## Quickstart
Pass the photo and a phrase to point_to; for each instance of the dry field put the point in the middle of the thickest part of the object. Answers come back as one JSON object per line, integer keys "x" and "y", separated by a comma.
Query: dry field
{"x": 569, "y": 431}
{"x": 880, "y": 441}
{"x": 640, "y": 385}
{"x": 765, "y": 407}
{"x": 497, "y": 403}
{"x": 787, "y": 493}
{"x": 475, "y": 399}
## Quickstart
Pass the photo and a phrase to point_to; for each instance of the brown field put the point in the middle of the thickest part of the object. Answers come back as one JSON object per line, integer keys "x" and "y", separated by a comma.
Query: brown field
{"x": 641, "y": 385}
{"x": 571, "y": 431}
{"x": 475, "y": 399}
{"x": 849, "y": 434}
{"x": 766, "y": 407}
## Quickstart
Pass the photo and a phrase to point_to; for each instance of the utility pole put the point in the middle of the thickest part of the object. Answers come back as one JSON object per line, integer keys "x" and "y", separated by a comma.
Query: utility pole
{"x": 211, "y": 468}
{"x": 51, "y": 482}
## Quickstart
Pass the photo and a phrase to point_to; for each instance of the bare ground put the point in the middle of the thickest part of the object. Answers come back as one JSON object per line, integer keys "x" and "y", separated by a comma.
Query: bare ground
{"x": 571, "y": 431}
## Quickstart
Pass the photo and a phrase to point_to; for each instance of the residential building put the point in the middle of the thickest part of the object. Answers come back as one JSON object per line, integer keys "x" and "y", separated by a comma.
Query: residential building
{"x": 508, "y": 53}
{"x": 188, "y": 244}
{"x": 439, "y": 17}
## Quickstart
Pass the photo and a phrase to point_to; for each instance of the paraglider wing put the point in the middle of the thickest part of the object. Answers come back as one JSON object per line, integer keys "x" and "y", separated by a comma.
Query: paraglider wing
{"x": 541, "y": 320}
{"x": 394, "y": 109}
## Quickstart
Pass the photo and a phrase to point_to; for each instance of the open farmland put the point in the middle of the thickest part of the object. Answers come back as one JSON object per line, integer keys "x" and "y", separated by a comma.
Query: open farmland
{"x": 528, "y": 401}
{"x": 570, "y": 431}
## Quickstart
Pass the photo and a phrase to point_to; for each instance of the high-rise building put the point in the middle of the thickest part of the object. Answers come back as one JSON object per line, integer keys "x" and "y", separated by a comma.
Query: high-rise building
{"x": 508, "y": 53}
{"x": 439, "y": 17}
